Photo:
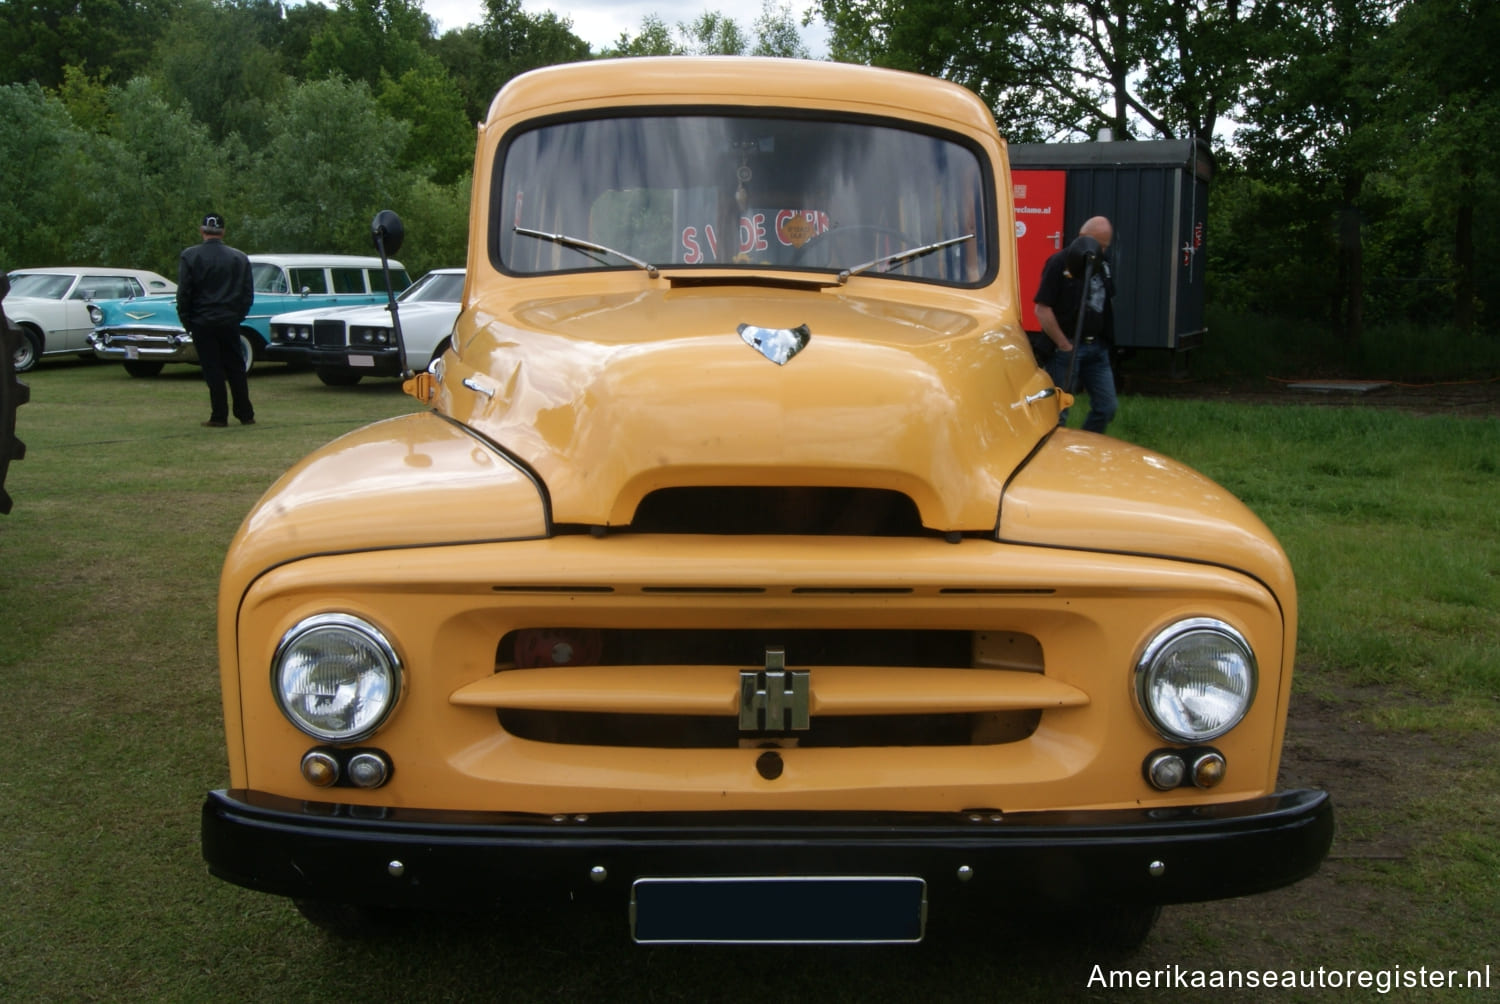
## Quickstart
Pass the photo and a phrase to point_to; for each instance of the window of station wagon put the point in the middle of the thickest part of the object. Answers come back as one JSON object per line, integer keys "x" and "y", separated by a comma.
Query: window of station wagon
{"x": 348, "y": 280}
{"x": 725, "y": 191}
{"x": 310, "y": 280}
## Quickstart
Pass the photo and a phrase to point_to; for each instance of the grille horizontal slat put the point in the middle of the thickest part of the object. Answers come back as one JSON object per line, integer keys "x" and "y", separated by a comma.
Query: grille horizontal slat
{"x": 707, "y": 690}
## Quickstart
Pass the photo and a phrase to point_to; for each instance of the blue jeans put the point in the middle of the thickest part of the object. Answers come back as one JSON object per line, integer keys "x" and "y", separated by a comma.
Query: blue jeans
{"x": 1092, "y": 375}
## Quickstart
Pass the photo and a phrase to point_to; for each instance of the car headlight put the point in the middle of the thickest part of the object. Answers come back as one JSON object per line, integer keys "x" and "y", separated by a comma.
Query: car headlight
{"x": 1195, "y": 680}
{"x": 336, "y": 677}
{"x": 95, "y": 314}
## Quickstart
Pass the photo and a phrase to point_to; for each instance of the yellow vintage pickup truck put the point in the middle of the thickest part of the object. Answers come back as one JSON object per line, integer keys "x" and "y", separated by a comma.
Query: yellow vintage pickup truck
{"x": 738, "y": 573}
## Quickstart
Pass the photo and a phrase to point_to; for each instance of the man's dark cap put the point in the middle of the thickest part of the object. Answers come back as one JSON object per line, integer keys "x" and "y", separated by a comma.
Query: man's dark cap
{"x": 213, "y": 223}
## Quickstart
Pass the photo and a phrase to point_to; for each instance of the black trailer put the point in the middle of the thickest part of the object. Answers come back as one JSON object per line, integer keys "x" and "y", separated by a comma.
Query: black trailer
{"x": 1156, "y": 195}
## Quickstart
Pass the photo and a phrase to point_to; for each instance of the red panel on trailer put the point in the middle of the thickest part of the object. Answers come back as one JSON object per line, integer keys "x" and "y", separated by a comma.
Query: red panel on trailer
{"x": 1039, "y": 229}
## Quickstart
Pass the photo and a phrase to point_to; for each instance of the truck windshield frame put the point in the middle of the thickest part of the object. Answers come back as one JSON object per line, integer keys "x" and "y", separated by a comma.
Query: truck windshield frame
{"x": 792, "y": 191}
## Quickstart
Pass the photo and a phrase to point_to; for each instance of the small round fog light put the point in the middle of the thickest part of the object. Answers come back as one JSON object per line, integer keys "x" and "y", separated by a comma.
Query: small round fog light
{"x": 320, "y": 768}
{"x": 368, "y": 770}
{"x": 1208, "y": 769}
{"x": 1165, "y": 770}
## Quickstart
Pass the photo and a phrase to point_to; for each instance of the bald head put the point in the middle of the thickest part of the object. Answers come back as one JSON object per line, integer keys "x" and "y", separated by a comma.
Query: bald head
{"x": 1099, "y": 228}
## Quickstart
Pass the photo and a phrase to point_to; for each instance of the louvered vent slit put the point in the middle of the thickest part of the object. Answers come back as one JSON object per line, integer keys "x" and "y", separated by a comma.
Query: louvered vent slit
{"x": 869, "y": 512}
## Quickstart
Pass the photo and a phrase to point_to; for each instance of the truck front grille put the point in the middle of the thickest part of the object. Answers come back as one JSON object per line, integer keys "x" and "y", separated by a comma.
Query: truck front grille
{"x": 329, "y": 334}
{"x": 683, "y": 689}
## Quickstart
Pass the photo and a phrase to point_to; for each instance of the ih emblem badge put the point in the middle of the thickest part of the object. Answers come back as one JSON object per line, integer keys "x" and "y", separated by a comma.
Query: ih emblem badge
{"x": 776, "y": 344}
{"x": 774, "y": 699}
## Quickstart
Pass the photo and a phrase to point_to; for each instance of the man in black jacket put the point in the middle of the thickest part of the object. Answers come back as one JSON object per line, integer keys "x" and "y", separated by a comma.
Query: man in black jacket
{"x": 214, "y": 293}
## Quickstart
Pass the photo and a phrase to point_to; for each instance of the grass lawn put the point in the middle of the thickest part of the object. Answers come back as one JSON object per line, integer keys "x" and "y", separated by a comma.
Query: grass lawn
{"x": 111, "y": 726}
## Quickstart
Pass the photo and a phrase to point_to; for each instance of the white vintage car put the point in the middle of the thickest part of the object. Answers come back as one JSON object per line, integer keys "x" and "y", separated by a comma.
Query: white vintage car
{"x": 345, "y": 344}
{"x": 50, "y": 306}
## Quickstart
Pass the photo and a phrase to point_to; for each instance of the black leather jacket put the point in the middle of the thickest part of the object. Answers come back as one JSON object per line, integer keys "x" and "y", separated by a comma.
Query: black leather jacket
{"x": 214, "y": 286}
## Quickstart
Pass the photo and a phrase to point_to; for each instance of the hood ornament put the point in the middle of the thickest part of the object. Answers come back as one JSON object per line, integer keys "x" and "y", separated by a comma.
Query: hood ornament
{"x": 776, "y": 344}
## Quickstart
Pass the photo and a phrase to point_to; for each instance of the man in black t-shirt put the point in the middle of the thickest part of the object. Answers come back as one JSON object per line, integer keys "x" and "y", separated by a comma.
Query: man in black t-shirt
{"x": 1059, "y": 297}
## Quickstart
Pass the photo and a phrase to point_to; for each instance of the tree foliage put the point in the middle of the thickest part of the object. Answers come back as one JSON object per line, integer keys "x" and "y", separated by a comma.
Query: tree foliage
{"x": 1355, "y": 139}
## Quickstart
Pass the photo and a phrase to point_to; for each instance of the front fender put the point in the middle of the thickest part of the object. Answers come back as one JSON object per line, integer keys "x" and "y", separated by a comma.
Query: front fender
{"x": 1089, "y": 492}
{"x": 413, "y": 481}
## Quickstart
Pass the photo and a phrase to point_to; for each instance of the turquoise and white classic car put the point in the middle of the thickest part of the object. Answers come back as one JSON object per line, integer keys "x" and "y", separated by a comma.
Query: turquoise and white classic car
{"x": 145, "y": 333}
{"x": 49, "y": 306}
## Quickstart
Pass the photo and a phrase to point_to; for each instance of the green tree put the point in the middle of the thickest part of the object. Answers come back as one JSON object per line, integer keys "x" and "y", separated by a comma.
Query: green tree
{"x": 713, "y": 34}
{"x": 113, "y": 39}
{"x": 1318, "y": 115}
{"x": 512, "y": 41}
{"x": 440, "y": 142}
{"x": 1050, "y": 69}
{"x": 368, "y": 39}
{"x": 213, "y": 59}
{"x": 776, "y": 33}
{"x": 1448, "y": 95}
{"x": 994, "y": 49}
{"x": 87, "y": 98}
{"x": 176, "y": 169}
{"x": 1207, "y": 60}
{"x": 330, "y": 164}
{"x": 436, "y": 219}
{"x": 654, "y": 39}
{"x": 461, "y": 54}
{"x": 44, "y": 154}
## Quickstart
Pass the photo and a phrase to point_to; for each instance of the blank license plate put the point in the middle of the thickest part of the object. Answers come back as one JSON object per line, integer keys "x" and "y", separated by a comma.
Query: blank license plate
{"x": 362, "y": 361}
{"x": 786, "y": 911}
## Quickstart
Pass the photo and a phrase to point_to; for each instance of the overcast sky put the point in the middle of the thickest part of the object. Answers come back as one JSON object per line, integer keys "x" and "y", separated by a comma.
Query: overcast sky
{"x": 600, "y": 22}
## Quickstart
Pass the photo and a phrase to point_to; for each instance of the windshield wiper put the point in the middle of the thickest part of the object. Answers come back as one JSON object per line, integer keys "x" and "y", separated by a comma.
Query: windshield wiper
{"x": 902, "y": 256}
{"x": 582, "y": 245}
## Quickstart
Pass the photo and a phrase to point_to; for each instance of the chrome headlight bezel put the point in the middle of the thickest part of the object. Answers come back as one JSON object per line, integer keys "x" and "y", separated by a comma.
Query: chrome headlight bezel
{"x": 1162, "y": 678}
{"x": 377, "y": 683}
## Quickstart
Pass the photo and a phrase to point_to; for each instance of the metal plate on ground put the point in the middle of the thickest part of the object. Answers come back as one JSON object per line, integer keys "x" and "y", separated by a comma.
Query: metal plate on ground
{"x": 756, "y": 910}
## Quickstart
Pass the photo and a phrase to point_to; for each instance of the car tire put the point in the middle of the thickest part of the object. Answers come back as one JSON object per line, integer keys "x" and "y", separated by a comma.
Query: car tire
{"x": 249, "y": 343}
{"x": 338, "y": 378}
{"x": 347, "y": 921}
{"x": 143, "y": 367}
{"x": 26, "y": 349}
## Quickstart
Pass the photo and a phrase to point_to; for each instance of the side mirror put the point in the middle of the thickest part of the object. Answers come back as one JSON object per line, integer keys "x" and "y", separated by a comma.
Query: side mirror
{"x": 1083, "y": 251}
{"x": 387, "y": 232}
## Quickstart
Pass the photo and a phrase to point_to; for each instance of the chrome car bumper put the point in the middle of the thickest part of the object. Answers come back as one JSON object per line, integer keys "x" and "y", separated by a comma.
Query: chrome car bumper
{"x": 419, "y": 859}
{"x": 167, "y": 345}
{"x": 369, "y": 362}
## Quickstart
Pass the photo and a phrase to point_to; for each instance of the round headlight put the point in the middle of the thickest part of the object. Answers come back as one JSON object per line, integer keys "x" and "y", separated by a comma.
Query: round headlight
{"x": 95, "y": 314}
{"x": 1195, "y": 680}
{"x": 336, "y": 677}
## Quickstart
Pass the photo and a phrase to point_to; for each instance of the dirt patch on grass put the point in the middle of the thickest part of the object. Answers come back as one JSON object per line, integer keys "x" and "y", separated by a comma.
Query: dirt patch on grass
{"x": 1471, "y": 398}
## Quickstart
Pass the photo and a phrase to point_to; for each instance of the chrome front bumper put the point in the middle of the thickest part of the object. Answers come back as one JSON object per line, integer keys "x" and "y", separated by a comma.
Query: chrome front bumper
{"x": 166, "y": 345}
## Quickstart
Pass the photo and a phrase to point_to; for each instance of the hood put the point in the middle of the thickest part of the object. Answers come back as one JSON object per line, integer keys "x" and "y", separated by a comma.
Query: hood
{"x": 370, "y": 314}
{"x": 609, "y": 397}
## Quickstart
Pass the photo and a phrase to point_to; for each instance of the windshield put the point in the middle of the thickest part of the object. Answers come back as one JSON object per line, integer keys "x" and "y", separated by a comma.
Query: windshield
{"x": 436, "y": 287}
{"x": 42, "y": 285}
{"x": 268, "y": 278}
{"x": 726, "y": 191}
